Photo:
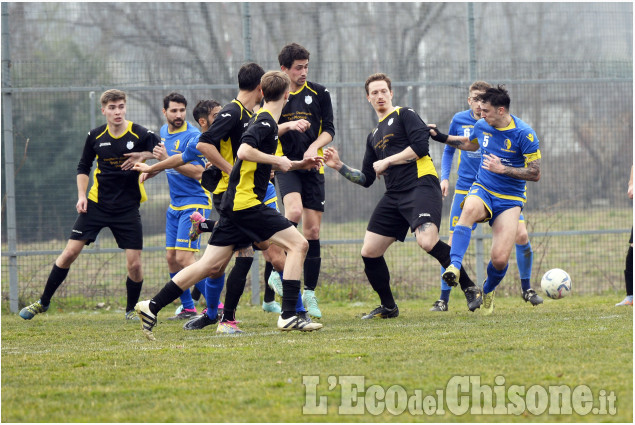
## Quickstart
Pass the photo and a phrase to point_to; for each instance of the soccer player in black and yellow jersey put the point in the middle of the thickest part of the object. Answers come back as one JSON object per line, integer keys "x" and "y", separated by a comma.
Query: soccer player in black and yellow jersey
{"x": 397, "y": 149}
{"x": 244, "y": 218}
{"x": 113, "y": 200}
{"x": 306, "y": 126}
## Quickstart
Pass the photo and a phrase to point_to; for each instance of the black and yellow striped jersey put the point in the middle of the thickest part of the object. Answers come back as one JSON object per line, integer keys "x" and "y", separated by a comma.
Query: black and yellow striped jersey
{"x": 248, "y": 180}
{"x": 395, "y": 132}
{"x": 115, "y": 189}
{"x": 312, "y": 103}
{"x": 224, "y": 134}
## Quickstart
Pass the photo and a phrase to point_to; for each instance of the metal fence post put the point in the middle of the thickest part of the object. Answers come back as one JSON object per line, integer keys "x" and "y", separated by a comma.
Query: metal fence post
{"x": 9, "y": 166}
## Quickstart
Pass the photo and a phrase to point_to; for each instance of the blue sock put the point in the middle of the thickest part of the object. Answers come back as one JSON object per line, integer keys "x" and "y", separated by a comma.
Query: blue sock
{"x": 460, "y": 242}
{"x": 445, "y": 295}
{"x": 213, "y": 288}
{"x": 494, "y": 277}
{"x": 186, "y": 297}
{"x": 524, "y": 259}
{"x": 299, "y": 306}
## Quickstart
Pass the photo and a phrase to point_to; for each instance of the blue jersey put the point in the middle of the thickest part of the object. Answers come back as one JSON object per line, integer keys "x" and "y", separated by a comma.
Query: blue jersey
{"x": 468, "y": 162}
{"x": 191, "y": 154}
{"x": 185, "y": 192}
{"x": 516, "y": 145}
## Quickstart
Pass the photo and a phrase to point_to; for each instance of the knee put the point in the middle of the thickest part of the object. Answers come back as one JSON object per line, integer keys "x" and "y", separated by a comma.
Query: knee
{"x": 522, "y": 237}
{"x": 66, "y": 258}
{"x": 293, "y": 212}
{"x": 499, "y": 261}
{"x": 135, "y": 269}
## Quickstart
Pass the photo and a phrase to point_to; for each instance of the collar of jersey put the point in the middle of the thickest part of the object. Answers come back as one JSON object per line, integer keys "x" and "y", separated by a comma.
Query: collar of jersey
{"x": 242, "y": 108}
{"x": 302, "y": 88}
{"x": 261, "y": 110}
{"x": 128, "y": 129}
{"x": 512, "y": 124}
{"x": 179, "y": 130}
{"x": 397, "y": 108}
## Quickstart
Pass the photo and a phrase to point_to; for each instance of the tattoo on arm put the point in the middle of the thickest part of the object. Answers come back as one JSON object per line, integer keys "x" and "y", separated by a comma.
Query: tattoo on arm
{"x": 356, "y": 176}
{"x": 530, "y": 173}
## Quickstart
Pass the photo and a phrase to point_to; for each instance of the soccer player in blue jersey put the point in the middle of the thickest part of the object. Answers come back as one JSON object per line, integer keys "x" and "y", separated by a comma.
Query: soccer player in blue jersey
{"x": 245, "y": 219}
{"x": 397, "y": 149}
{"x": 113, "y": 200}
{"x": 468, "y": 165}
{"x": 510, "y": 157}
{"x": 302, "y": 191}
{"x": 186, "y": 193}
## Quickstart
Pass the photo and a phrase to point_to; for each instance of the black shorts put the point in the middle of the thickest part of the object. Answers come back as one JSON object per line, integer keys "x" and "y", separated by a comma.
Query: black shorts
{"x": 309, "y": 184}
{"x": 397, "y": 211}
{"x": 242, "y": 228}
{"x": 125, "y": 226}
{"x": 216, "y": 199}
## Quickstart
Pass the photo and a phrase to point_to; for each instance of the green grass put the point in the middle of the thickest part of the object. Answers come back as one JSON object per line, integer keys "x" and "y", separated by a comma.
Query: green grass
{"x": 92, "y": 366}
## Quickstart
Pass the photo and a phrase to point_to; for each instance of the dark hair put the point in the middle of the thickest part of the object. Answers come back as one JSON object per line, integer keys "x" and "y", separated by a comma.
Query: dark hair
{"x": 496, "y": 96}
{"x": 203, "y": 108}
{"x": 292, "y": 52}
{"x": 274, "y": 84}
{"x": 249, "y": 76}
{"x": 378, "y": 77}
{"x": 173, "y": 97}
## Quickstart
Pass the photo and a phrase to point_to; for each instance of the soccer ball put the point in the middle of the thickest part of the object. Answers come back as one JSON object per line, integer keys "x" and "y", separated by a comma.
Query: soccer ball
{"x": 556, "y": 283}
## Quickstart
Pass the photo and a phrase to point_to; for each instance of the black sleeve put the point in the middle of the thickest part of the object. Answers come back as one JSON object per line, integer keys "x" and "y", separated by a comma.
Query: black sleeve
{"x": 417, "y": 132}
{"x": 370, "y": 156}
{"x": 258, "y": 132}
{"x": 151, "y": 140}
{"x": 220, "y": 128}
{"x": 88, "y": 156}
{"x": 327, "y": 112}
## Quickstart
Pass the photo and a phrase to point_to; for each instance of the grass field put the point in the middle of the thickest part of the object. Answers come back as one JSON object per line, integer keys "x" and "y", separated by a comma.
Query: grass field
{"x": 92, "y": 366}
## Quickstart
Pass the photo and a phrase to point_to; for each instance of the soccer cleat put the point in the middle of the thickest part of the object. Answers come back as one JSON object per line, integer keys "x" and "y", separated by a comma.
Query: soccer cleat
{"x": 488, "y": 304}
{"x": 28, "y": 312}
{"x": 382, "y": 313}
{"x": 310, "y": 302}
{"x": 195, "y": 229}
{"x": 275, "y": 282}
{"x": 131, "y": 315}
{"x": 474, "y": 297}
{"x": 228, "y": 328}
{"x": 531, "y": 296}
{"x": 148, "y": 320}
{"x": 626, "y": 301}
{"x": 303, "y": 315}
{"x": 271, "y": 307}
{"x": 178, "y": 310}
{"x": 200, "y": 322}
{"x": 186, "y": 313}
{"x": 297, "y": 323}
{"x": 439, "y": 305}
{"x": 451, "y": 275}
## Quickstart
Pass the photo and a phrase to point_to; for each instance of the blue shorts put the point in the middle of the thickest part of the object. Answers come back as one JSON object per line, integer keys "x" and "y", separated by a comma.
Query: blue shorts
{"x": 177, "y": 229}
{"x": 455, "y": 209}
{"x": 271, "y": 197}
{"x": 495, "y": 205}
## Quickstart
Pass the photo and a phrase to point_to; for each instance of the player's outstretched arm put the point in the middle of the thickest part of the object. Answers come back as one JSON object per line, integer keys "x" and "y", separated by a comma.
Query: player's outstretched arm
{"x": 529, "y": 173}
{"x": 135, "y": 158}
{"x": 171, "y": 162}
{"x": 332, "y": 159}
{"x": 459, "y": 142}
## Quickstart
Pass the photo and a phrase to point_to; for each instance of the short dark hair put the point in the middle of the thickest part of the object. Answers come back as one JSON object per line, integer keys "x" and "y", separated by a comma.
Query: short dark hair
{"x": 174, "y": 97}
{"x": 292, "y": 52}
{"x": 112, "y": 95}
{"x": 203, "y": 108}
{"x": 496, "y": 96}
{"x": 378, "y": 77}
{"x": 274, "y": 84}
{"x": 249, "y": 76}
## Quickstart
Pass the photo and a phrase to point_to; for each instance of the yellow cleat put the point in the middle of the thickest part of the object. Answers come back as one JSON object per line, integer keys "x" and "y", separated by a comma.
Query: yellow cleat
{"x": 488, "y": 304}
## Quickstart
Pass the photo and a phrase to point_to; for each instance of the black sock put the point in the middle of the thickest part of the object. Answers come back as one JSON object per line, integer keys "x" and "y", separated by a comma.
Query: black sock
{"x": 196, "y": 294}
{"x": 269, "y": 294}
{"x": 235, "y": 284}
{"x": 312, "y": 264}
{"x": 628, "y": 271}
{"x": 378, "y": 275}
{"x": 166, "y": 295}
{"x": 56, "y": 277}
{"x": 290, "y": 292}
{"x": 228, "y": 315}
{"x": 133, "y": 290}
{"x": 441, "y": 252}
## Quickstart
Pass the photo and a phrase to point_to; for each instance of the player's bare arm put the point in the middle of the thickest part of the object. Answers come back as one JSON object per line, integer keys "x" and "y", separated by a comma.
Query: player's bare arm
{"x": 135, "y": 158}
{"x": 332, "y": 159}
{"x": 459, "y": 142}
{"x": 297, "y": 125}
{"x": 82, "y": 185}
{"x": 214, "y": 157}
{"x": 322, "y": 140}
{"x": 529, "y": 173}
{"x": 404, "y": 157}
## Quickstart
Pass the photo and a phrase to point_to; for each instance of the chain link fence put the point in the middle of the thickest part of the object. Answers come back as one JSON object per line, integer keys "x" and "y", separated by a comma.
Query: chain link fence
{"x": 579, "y": 103}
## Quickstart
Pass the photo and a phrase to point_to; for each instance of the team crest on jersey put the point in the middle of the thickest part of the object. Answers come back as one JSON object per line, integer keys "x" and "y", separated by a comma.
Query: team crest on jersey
{"x": 390, "y": 121}
{"x": 530, "y": 136}
{"x": 130, "y": 145}
{"x": 308, "y": 100}
{"x": 508, "y": 144}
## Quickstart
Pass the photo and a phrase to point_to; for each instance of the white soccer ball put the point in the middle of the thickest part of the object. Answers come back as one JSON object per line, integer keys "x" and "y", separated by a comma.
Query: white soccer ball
{"x": 556, "y": 283}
